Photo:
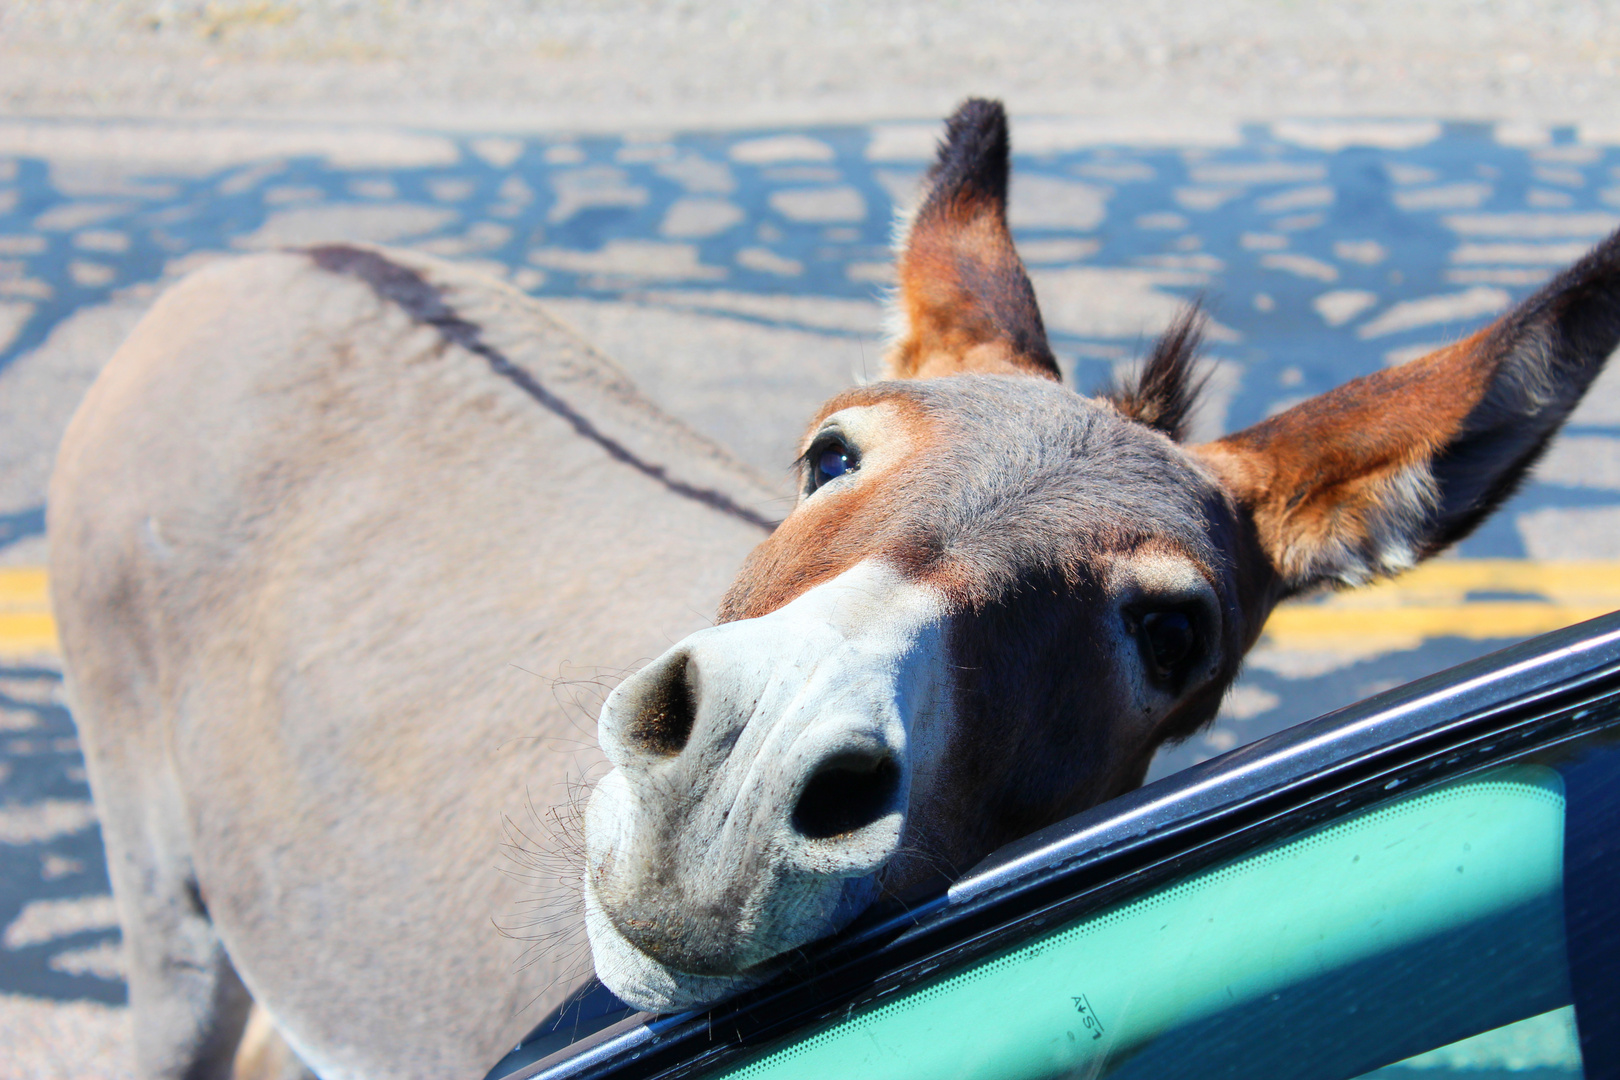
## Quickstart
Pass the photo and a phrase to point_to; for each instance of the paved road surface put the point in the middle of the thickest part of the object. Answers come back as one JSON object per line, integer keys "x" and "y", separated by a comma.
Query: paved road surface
{"x": 738, "y": 276}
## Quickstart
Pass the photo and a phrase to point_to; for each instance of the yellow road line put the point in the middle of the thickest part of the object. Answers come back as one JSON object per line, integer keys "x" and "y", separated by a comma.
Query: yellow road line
{"x": 26, "y": 626}
{"x": 24, "y": 587}
{"x": 1469, "y": 598}
{"x": 1369, "y": 632}
{"x": 1449, "y": 581}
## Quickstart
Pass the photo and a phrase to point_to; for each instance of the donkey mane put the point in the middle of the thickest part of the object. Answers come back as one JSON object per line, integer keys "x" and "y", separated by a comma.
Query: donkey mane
{"x": 1165, "y": 391}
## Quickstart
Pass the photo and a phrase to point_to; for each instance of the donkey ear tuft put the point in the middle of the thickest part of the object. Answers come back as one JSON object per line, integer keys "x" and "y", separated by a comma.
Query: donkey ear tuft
{"x": 973, "y": 160}
{"x": 1163, "y": 394}
{"x": 965, "y": 303}
{"x": 1390, "y": 468}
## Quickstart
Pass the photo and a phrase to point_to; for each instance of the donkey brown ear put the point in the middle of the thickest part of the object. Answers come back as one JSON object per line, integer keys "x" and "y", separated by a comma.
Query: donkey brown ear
{"x": 964, "y": 302}
{"x": 1367, "y": 479}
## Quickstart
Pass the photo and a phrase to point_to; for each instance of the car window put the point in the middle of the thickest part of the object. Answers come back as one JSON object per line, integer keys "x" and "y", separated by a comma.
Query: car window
{"x": 1401, "y": 928}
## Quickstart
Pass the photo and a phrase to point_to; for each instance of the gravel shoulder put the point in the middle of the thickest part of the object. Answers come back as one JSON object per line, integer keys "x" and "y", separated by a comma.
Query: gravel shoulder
{"x": 531, "y": 65}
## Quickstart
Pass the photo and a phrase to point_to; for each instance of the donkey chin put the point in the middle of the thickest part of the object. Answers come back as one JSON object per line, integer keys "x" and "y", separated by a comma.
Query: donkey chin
{"x": 763, "y": 771}
{"x": 668, "y": 956}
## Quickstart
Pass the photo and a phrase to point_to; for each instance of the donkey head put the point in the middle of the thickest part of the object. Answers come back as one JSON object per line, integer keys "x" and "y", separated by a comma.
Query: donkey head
{"x": 995, "y": 598}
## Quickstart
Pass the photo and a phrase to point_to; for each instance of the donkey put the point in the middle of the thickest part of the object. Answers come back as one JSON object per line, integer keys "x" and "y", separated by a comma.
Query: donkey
{"x": 326, "y": 509}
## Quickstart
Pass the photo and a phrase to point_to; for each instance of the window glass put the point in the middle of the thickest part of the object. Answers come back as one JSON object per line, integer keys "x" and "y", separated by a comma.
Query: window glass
{"x": 1412, "y": 925}
{"x": 1542, "y": 1047}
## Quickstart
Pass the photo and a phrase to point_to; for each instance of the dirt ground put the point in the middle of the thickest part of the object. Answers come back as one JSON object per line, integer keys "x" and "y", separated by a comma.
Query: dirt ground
{"x": 538, "y": 65}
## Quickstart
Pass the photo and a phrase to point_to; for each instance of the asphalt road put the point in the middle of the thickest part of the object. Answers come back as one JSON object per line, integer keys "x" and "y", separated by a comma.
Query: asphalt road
{"x": 739, "y": 278}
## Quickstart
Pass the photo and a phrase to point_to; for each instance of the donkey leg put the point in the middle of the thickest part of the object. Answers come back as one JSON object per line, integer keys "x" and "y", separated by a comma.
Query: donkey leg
{"x": 189, "y": 1004}
{"x": 264, "y": 1055}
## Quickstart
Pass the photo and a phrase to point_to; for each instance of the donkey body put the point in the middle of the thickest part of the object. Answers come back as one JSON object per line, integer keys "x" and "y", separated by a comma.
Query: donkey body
{"x": 310, "y": 549}
{"x": 325, "y": 511}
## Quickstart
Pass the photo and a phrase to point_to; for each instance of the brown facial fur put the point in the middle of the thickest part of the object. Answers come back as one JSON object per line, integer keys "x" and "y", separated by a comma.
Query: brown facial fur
{"x": 827, "y": 535}
{"x": 1047, "y": 722}
{"x": 1061, "y": 489}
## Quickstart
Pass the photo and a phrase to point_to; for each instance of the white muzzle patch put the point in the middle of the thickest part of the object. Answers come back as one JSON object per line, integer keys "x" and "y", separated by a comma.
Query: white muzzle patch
{"x": 709, "y": 842}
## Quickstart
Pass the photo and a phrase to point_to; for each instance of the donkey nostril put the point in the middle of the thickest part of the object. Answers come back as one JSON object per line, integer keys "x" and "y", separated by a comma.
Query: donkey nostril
{"x": 847, "y": 793}
{"x": 665, "y": 712}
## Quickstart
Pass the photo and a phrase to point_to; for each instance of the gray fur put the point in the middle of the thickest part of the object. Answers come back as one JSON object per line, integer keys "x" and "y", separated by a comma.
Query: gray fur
{"x": 316, "y": 572}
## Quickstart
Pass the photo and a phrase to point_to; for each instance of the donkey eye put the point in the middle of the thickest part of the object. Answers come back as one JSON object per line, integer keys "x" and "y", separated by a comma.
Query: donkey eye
{"x": 830, "y": 460}
{"x": 1169, "y": 641}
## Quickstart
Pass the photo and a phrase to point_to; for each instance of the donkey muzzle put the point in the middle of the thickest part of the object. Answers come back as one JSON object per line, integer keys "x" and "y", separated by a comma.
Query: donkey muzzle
{"x": 763, "y": 773}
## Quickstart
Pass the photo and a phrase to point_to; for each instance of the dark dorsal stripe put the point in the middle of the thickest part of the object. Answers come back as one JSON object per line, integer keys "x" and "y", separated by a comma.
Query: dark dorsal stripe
{"x": 425, "y": 303}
